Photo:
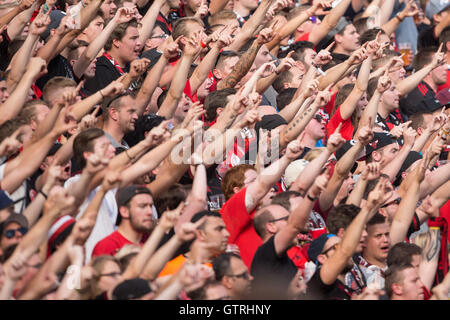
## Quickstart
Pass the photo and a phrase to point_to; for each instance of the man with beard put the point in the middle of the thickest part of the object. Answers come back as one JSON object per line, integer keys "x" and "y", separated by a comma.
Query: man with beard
{"x": 136, "y": 220}
{"x": 119, "y": 118}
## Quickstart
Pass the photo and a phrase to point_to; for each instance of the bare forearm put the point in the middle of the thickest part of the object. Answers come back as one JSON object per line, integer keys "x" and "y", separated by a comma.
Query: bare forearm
{"x": 241, "y": 68}
{"x": 201, "y": 72}
{"x": 148, "y": 21}
{"x": 334, "y": 74}
{"x": 5, "y": 19}
{"x": 430, "y": 257}
{"x": 406, "y": 85}
{"x": 370, "y": 112}
{"x": 296, "y": 126}
{"x": 170, "y": 174}
{"x": 176, "y": 88}
{"x": 34, "y": 209}
{"x": 83, "y": 107}
{"x": 12, "y": 106}
{"x": 160, "y": 258}
{"x": 93, "y": 49}
{"x": 405, "y": 213}
{"x": 148, "y": 87}
{"x": 289, "y": 112}
{"x": 355, "y": 197}
{"x": 306, "y": 178}
{"x": 434, "y": 181}
{"x": 19, "y": 62}
{"x": 48, "y": 52}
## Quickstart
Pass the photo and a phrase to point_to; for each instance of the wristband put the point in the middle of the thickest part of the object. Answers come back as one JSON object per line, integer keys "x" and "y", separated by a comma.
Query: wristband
{"x": 398, "y": 16}
{"x": 42, "y": 192}
{"x": 310, "y": 198}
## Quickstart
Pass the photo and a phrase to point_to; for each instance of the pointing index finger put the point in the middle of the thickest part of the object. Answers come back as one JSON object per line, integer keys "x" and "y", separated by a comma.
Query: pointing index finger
{"x": 330, "y": 46}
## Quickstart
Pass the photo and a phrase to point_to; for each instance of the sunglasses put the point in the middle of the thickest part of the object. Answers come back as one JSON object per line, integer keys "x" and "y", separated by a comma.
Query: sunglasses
{"x": 318, "y": 117}
{"x": 11, "y": 233}
{"x": 333, "y": 247}
{"x": 396, "y": 201}
{"x": 279, "y": 219}
{"x": 244, "y": 275}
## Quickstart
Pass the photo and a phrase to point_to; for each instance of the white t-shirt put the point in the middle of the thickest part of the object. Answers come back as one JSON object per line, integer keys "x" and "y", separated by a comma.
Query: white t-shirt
{"x": 106, "y": 218}
{"x": 20, "y": 206}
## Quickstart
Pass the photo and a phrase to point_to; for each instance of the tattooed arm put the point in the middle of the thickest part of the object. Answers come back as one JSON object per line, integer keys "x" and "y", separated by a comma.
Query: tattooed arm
{"x": 241, "y": 68}
{"x": 430, "y": 257}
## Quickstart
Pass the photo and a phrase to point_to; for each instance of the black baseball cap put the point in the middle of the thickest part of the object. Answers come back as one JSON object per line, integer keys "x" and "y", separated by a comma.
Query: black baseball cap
{"x": 131, "y": 289}
{"x": 126, "y": 194}
{"x": 316, "y": 246}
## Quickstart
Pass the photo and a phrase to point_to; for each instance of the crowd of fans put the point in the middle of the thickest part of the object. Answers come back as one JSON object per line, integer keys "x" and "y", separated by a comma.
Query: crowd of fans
{"x": 224, "y": 149}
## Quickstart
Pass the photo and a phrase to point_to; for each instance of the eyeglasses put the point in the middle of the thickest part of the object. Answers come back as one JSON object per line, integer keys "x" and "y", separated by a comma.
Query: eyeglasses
{"x": 333, "y": 247}
{"x": 244, "y": 275}
{"x": 111, "y": 274}
{"x": 396, "y": 201}
{"x": 279, "y": 219}
{"x": 11, "y": 233}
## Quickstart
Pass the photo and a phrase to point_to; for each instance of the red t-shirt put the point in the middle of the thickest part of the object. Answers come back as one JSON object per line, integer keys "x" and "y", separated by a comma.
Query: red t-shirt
{"x": 347, "y": 126}
{"x": 329, "y": 107}
{"x": 304, "y": 37}
{"x": 239, "y": 224}
{"x": 110, "y": 245}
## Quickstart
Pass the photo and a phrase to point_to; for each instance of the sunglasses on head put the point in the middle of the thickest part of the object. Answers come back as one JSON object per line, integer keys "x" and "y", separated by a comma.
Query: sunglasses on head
{"x": 11, "y": 233}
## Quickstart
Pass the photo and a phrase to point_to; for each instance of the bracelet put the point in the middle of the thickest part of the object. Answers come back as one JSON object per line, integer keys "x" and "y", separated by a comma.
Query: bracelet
{"x": 310, "y": 198}
{"x": 435, "y": 228}
{"x": 42, "y": 192}
{"x": 100, "y": 91}
{"x": 398, "y": 16}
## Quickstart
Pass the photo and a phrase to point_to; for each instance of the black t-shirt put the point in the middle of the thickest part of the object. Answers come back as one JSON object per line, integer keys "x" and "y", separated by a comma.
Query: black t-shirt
{"x": 427, "y": 38}
{"x": 105, "y": 73}
{"x": 4, "y": 61}
{"x": 57, "y": 67}
{"x": 317, "y": 290}
{"x": 272, "y": 274}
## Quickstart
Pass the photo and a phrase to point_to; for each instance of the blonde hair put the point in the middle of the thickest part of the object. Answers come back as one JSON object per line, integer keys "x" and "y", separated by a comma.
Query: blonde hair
{"x": 313, "y": 153}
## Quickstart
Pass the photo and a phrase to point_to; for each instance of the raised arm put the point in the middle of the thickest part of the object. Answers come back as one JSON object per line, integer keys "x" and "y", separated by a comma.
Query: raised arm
{"x": 244, "y": 64}
{"x": 23, "y": 5}
{"x": 207, "y": 64}
{"x": 249, "y": 27}
{"x": 190, "y": 50}
{"x": 148, "y": 21}
{"x": 153, "y": 77}
{"x": 350, "y": 103}
{"x": 90, "y": 53}
{"x": 330, "y": 21}
{"x": 12, "y": 106}
{"x": 20, "y": 60}
{"x": 298, "y": 219}
{"x": 343, "y": 166}
{"x": 334, "y": 265}
{"x": 409, "y": 11}
{"x": 270, "y": 175}
{"x": 299, "y": 123}
{"x": 408, "y": 84}
{"x": 405, "y": 212}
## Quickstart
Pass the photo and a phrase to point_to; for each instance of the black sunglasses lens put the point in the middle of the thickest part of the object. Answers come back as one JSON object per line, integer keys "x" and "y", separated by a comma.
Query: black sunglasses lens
{"x": 10, "y": 234}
